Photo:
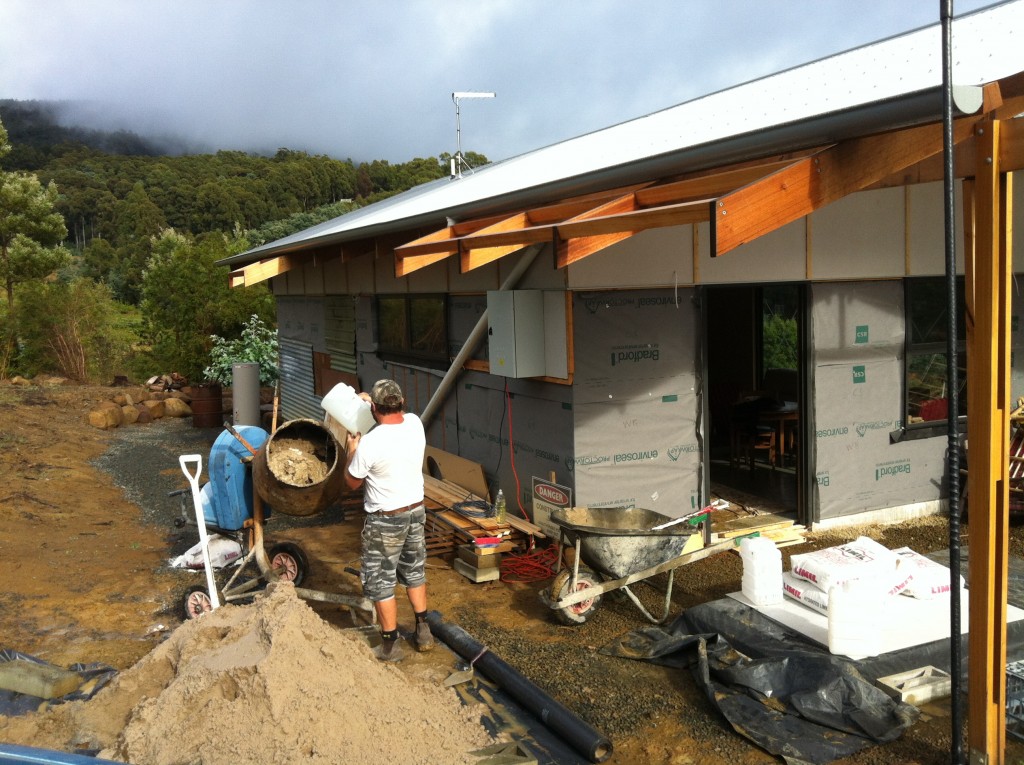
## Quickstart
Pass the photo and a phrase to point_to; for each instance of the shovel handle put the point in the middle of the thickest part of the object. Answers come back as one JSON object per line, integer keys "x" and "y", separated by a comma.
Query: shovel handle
{"x": 197, "y": 460}
{"x": 204, "y": 540}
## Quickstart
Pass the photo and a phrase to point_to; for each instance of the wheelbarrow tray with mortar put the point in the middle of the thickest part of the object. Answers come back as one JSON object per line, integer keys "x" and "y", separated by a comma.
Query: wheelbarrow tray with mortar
{"x": 618, "y": 546}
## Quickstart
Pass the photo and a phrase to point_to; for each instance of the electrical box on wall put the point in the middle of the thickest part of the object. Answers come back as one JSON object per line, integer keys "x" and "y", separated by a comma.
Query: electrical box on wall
{"x": 515, "y": 334}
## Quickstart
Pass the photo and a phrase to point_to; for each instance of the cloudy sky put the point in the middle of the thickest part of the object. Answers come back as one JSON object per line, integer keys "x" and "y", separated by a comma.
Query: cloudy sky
{"x": 371, "y": 79}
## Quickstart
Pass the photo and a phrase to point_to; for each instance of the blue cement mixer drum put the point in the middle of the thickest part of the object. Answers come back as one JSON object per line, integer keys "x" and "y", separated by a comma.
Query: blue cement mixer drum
{"x": 227, "y": 499}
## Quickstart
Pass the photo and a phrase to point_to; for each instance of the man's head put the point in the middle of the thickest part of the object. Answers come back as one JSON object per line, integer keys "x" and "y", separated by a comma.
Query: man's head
{"x": 387, "y": 397}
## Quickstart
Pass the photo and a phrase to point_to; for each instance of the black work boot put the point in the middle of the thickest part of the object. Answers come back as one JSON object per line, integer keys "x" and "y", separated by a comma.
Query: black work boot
{"x": 424, "y": 640}
{"x": 390, "y": 649}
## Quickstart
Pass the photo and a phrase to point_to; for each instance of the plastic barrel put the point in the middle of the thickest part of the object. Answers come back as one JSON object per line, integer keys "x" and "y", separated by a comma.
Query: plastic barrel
{"x": 207, "y": 406}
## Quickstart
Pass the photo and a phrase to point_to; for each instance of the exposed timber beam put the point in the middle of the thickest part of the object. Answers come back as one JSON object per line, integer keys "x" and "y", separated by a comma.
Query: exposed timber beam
{"x": 811, "y": 183}
{"x": 254, "y": 273}
{"x": 988, "y": 298}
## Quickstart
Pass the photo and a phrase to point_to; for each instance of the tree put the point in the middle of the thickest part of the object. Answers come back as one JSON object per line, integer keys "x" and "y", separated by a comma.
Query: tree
{"x": 187, "y": 299}
{"x": 74, "y": 328}
{"x": 30, "y": 230}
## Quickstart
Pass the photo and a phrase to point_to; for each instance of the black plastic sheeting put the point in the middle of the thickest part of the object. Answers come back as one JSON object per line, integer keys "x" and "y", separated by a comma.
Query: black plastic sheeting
{"x": 14, "y": 704}
{"x": 785, "y": 693}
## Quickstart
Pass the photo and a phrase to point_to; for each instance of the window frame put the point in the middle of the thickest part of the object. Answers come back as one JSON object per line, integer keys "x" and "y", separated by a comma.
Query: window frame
{"x": 936, "y": 346}
{"x": 404, "y": 350}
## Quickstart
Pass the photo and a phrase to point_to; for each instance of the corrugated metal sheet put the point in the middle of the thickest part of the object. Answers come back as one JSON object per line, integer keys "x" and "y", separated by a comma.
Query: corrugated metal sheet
{"x": 887, "y": 84}
{"x": 297, "y": 397}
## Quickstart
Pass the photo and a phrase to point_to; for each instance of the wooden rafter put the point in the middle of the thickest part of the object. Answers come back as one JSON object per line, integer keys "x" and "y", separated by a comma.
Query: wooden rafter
{"x": 584, "y": 236}
{"x": 254, "y": 273}
{"x": 436, "y": 246}
{"x": 580, "y": 226}
{"x": 613, "y": 215}
{"x": 827, "y": 176}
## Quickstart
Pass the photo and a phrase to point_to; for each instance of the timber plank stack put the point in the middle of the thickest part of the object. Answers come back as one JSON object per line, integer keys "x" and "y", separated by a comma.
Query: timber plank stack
{"x": 446, "y": 528}
{"x": 783, "y": 531}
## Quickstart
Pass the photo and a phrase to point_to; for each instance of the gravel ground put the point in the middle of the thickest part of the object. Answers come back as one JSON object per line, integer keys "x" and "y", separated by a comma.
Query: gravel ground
{"x": 144, "y": 463}
{"x": 565, "y": 661}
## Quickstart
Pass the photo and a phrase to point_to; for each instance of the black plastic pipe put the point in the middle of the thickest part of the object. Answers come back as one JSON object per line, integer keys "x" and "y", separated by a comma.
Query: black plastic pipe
{"x": 561, "y": 721}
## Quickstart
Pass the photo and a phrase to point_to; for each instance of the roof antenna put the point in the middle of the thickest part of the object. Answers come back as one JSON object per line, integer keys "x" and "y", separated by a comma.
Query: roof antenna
{"x": 458, "y": 161}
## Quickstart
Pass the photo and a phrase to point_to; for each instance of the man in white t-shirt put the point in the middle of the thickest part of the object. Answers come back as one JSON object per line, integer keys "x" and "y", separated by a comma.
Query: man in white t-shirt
{"x": 388, "y": 463}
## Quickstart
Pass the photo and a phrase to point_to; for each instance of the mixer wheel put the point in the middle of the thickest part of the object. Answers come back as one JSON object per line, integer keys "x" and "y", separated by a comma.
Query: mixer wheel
{"x": 290, "y": 562}
{"x": 196, "y": 602}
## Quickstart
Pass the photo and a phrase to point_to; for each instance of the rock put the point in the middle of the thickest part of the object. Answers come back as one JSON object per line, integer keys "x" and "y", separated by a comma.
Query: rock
{"x": 156, "y": 408}
{"x": 144, "y": 415}
{"x": 124, "y": 399}
{"x": 106, "y": 415}
{"x": 131, "y": 414}
{"x": 175, "y": 407}
{"x": 19, "y": 380}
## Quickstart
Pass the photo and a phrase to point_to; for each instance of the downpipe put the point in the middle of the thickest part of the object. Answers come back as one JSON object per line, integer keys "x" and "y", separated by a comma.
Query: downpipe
{"x": 476, "y": 336}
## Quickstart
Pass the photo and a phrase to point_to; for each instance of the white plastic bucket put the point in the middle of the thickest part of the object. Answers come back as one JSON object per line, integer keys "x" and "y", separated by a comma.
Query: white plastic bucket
{"x": 853, "y": 624}
{"x": 346, "y": 407}
{"x": 762, "y": 571}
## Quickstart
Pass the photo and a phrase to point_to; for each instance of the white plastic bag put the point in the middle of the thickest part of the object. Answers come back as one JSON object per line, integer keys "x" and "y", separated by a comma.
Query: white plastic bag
{"x": 222, "y": 552}
{"x": 863, "y": 559}
{"x": 803, "y": 591}
{"x": 928, "y": 579}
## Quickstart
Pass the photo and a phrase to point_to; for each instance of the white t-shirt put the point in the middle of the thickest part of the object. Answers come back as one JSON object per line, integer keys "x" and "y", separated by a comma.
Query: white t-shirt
{"x": 390, "y": 461}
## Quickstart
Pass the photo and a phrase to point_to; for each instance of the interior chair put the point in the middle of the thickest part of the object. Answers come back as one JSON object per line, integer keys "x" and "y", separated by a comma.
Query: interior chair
{"x": 746, "y": 435}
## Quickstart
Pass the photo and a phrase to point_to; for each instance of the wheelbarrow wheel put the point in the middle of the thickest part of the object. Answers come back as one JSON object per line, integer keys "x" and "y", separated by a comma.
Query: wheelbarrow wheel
{"x": 196, "y": 602}
{"x": 290, "y": 562}
{"x": 577, "y": 613}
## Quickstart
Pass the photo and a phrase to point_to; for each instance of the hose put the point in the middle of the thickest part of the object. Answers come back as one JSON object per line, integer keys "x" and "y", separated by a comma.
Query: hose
{"x": 535, "y": 566}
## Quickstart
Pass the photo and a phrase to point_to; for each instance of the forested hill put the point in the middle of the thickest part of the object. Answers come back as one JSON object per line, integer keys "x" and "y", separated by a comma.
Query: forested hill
{"x": 118, "y": 190}
{"x": 34, "y": 130}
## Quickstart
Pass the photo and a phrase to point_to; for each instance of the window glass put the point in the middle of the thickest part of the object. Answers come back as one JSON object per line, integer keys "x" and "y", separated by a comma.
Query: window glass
{"x": 927, "y": 389}
{"x": 391, "y": 321}
{"x": 413, "y": 328}
{"x": 428, "y": 325}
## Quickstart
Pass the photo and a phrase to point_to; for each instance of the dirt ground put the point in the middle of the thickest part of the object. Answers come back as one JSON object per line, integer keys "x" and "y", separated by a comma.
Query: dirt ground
{"x": 87, "y": 528}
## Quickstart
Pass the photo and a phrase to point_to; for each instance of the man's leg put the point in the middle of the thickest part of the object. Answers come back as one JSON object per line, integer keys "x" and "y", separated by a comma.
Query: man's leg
{"x": 415, "y": 558}
{"x": 418, "y": 598}
{"x": 380, "y": 550}
{"x": 387, "y": 614}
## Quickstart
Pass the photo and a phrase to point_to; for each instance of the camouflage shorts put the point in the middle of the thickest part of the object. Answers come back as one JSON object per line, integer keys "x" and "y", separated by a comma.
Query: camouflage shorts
{"x": 394, "y": 551}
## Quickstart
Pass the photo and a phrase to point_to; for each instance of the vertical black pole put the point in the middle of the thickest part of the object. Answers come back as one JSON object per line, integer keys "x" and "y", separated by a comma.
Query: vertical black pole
{"x": 952, "y": 377}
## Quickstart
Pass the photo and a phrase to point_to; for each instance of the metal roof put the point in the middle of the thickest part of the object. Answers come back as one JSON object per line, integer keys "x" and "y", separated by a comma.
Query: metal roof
{"x": 887, "y": 84}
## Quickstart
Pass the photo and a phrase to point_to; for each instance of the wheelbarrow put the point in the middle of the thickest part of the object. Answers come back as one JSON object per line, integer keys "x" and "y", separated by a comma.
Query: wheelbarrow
{"x": 618, "y": 546}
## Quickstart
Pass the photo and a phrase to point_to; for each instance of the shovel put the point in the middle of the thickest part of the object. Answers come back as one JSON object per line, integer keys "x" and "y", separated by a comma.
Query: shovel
{"x": 193, "y": 478}
{"x": 463, "y": 675}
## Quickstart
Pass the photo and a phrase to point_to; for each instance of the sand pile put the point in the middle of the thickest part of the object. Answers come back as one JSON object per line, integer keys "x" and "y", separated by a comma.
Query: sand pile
{"x": 267, "y": 682}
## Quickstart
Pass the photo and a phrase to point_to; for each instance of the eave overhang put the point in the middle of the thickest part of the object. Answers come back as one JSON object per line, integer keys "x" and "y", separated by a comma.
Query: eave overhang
{"x": 740, "y": 200}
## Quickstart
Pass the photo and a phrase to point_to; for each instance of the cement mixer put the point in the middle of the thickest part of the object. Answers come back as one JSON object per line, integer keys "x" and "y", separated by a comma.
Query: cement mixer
{"x": 298, "y": 470}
